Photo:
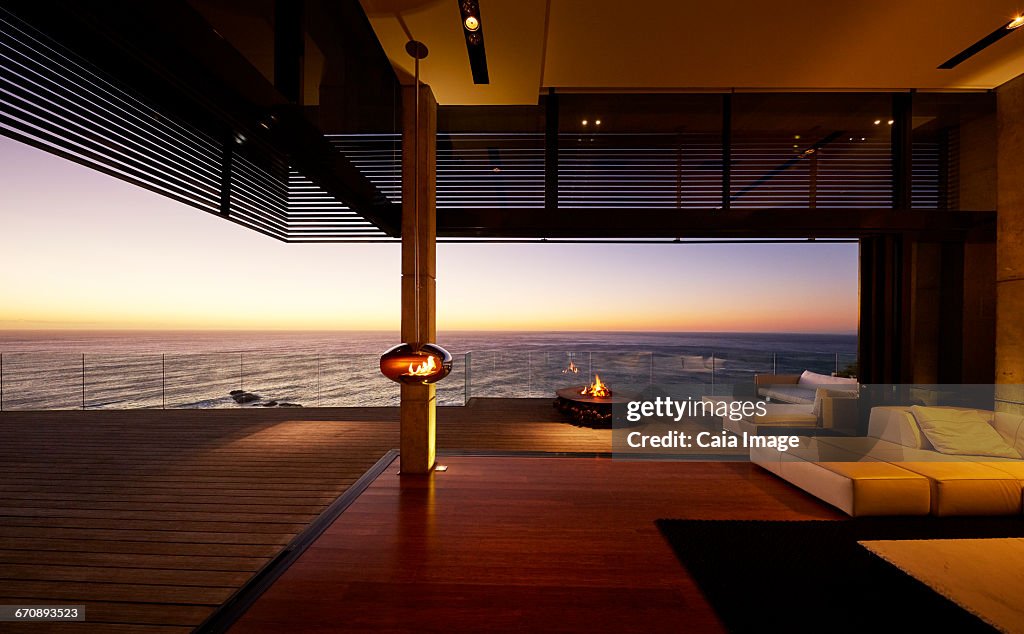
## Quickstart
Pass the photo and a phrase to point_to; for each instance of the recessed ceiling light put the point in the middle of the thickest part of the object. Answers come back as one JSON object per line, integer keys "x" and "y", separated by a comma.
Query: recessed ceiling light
{"x": 585, "y": 122}
{"x": 890, "y": 121}
{"x": 1016, "y": 23}
{"x": 878, "y": 121}
{"x": 471, "y": 23}
{"x": 796, "y": 136}
{"x": 597, "y": 122}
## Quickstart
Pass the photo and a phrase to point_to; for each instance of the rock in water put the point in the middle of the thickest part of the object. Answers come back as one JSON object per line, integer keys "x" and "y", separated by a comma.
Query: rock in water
{"x": 288, "y": 405}
{"x": 245, "y": 397}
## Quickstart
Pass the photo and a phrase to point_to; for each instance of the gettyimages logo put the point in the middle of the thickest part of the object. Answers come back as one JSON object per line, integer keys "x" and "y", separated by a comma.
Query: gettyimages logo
{"x": 667, "y": 407}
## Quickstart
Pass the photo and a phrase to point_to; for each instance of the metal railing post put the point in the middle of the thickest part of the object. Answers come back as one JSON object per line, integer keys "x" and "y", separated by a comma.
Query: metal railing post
{"x": 318, "y": 379}
{"x": 467, "y": 378}
{"x": 83, "y": 380}
{"x": 837, "y": 363}
{"x": 163, "y": 381}
{"x": 1, "y": 381}
{"x": 712, "y": 373}
{"x": 241, "y": 374}
{"x": 529, "y": 373}
{"x": 774, "y": 364}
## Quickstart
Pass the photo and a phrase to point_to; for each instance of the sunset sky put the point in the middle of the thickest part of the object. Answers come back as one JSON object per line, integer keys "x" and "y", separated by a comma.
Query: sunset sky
{"x": 84, "y": 250}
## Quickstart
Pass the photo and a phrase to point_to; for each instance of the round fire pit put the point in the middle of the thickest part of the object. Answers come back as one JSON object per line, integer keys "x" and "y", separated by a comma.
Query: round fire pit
{"x": 587, "y": 411}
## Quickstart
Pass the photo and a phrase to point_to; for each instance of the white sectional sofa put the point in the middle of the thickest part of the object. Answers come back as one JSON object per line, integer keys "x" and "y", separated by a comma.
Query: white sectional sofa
{"x": 896, "y": 469}
{"x": 800, "y": 388}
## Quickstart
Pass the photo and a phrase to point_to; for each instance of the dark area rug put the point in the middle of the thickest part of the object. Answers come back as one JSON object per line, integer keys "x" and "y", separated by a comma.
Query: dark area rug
{"x": 812, "y": 576}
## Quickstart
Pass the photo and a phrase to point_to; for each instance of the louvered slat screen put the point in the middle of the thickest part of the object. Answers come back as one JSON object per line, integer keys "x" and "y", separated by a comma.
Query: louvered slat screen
{"x": 55, "y": 101}
{"x": 638, "y": 171}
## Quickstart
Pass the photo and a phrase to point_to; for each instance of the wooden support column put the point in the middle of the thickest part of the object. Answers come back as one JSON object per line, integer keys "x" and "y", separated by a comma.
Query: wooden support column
{"x": 419, "y": 232}
{"x": 1010, "y": 246}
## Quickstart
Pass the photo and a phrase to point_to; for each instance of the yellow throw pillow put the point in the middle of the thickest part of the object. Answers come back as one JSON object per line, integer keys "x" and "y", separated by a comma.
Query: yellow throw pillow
{"x": 962, "y": 432}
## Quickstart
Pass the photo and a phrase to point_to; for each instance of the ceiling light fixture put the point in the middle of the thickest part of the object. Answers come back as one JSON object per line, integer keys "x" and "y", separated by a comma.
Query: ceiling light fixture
{"x": 890, "y": 122}
{"x": 472, "y": 28}
{"x": 983, "y": 43}
{"x": 878, "y": 121}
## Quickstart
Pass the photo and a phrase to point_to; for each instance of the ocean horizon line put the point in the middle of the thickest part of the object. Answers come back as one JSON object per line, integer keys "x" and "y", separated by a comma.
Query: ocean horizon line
{"x": 389, "y": 331}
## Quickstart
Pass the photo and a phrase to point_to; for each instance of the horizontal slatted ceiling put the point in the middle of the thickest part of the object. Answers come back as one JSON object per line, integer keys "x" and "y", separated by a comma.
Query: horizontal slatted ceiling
{"x": 259, "y": 196}
{"x": 54, "y": 101}
{"x": 490, "y": 170}
{"x": 640, "y": 170}
{"x": 316, "y": 216}
{"x": 854, "y": 173}
{"x": 377, "y": 156}
{"x": 926, "y": 184}
{"x": 845, "y": 172}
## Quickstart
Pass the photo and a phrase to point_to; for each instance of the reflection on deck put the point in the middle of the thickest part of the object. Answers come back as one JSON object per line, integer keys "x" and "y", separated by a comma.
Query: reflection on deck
{"x": 154, "y": 518}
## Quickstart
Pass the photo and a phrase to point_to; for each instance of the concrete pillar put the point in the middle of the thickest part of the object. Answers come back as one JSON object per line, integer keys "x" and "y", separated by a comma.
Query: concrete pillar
{"x": 419, "y": 231}
{"x": 1010, "y": 233}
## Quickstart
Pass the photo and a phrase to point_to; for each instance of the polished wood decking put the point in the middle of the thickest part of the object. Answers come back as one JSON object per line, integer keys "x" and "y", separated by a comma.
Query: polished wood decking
{"x": 153, "y": 518}
{"x": 515, "y": 544}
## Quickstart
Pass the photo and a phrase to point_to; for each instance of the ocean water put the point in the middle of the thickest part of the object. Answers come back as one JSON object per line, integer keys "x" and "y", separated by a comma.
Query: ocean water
{"x": 120, "y": 370}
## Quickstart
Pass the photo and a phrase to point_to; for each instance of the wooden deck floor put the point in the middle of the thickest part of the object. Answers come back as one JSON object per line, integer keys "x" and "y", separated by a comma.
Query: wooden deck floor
{"x": 153, "y": 518}
{"x": 507, "y": 544}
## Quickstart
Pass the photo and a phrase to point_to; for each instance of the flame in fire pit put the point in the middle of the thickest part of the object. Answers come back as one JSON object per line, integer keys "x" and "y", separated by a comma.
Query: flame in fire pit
{"x": 426, "y": 368}
{"x": 597, "y": 388}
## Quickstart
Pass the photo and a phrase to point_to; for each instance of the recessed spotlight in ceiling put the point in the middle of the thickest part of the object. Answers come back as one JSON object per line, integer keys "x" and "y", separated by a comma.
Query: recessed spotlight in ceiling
{"x": 983, "y": 43}
{"x": 597, "y": 122}
{"x": 584, "y": 122}
{"x": 890, "y": 122}
{"x": 878, "y": 121}
{"x": 474, "y": 32}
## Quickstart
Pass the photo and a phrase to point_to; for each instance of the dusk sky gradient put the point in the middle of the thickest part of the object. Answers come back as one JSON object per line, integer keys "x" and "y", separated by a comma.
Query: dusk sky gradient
{"x": 85, "y": 250}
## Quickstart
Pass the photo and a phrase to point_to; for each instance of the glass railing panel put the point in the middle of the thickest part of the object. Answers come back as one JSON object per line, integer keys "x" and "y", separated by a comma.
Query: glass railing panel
{"x": 452, "y": 389}
{"x": 552, "y": 370}
{"x": 124, "y": 381}
{"x": 203, "y": 380}
{"x": 354, "y": 380}
{"x": 38, "y": 381}
{"x": 281, "y": 379}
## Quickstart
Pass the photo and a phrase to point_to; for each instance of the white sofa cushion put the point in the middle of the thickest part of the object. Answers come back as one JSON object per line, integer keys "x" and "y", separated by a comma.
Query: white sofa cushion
{"x": 1011, "y": 428}
{"x": 788, "y": 393}
{"x": 813, "y": 379}
{"x": 896, "y": 424}
{"x": 961, "y": 432}
{"x": 824, "y": 392}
